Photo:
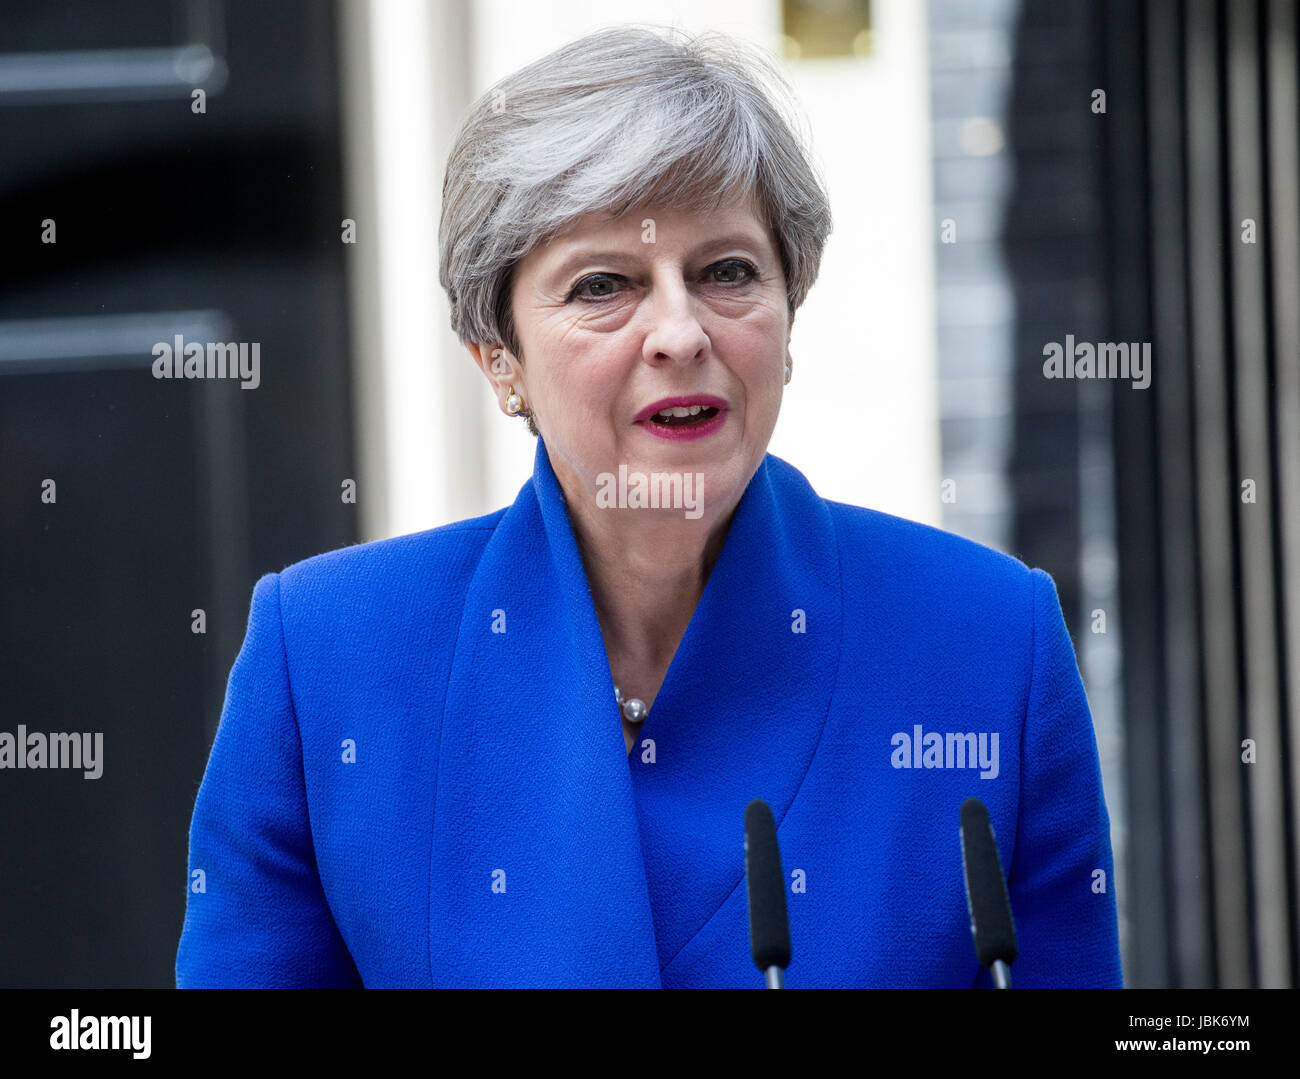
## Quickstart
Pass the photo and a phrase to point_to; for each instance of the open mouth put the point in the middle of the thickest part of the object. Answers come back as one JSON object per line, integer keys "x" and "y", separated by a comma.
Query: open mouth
{"x": 683, "y": 416}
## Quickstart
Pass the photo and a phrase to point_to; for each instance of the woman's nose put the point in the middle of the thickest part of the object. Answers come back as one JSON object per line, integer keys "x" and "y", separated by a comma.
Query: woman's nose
{"x": 675, "y": 334}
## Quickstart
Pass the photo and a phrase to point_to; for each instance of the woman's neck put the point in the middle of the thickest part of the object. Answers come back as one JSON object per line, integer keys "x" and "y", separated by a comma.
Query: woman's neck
{"x": 647, "y": 572}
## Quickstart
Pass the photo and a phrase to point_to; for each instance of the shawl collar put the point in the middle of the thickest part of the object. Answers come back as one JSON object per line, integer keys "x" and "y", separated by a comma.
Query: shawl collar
{"x": 560, "y": 860}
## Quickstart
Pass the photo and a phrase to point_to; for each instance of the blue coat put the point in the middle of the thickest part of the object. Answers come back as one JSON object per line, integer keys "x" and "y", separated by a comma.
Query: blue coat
{"x": 420, "y": 777}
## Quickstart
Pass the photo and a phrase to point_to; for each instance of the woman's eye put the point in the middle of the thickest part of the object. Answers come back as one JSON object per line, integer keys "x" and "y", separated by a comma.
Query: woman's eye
{"x": 733, "y": 271}
{"x": 594, "y": 287}
{"x": 600, "y": 286}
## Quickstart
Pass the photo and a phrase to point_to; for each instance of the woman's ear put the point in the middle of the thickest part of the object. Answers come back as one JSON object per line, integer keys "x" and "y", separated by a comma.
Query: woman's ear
{"x": 502, "y": 370}
{"x": 495, "y": 362}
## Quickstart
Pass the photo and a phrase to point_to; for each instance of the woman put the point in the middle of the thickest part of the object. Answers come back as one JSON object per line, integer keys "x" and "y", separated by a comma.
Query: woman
{"x": 417, "y": 778}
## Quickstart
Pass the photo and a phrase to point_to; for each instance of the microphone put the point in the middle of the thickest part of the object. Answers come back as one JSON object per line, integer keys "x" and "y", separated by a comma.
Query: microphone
{"x": 986, "y": 894}
{"x": 769, "y": 928}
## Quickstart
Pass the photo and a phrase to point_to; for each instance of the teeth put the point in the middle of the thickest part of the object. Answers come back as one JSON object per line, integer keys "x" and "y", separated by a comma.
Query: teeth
{"x": 681, "y": 412}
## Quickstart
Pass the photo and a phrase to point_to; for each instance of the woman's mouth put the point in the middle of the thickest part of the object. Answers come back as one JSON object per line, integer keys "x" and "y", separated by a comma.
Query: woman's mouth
{"x": 685, "y": 422}
{"x": 689, "y": 416}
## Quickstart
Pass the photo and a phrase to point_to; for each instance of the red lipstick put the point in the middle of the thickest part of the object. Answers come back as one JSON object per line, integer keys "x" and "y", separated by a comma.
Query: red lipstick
{"x": 712, "y": 415}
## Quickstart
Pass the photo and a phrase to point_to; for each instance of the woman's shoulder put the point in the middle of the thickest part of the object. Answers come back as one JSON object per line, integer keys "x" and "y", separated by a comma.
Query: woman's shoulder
{"x": 922, "y": 548}
{"x": 917, "y": 575}
{"x": 874, "y": 540}
{"x": 421, "y": 567}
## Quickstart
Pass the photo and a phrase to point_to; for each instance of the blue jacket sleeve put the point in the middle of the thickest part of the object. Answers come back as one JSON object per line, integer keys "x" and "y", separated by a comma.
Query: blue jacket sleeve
{"x": 256, "y": 914}
{"x": 1061, "y": 880}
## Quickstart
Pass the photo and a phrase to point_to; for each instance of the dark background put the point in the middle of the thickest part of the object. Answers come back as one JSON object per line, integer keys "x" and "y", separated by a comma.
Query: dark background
{"x": 172, "y": 495}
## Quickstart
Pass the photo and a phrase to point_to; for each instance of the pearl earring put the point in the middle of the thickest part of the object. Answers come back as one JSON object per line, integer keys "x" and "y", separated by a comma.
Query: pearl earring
{"x": 514, "y": 402}
{"x": 789, "y": 374}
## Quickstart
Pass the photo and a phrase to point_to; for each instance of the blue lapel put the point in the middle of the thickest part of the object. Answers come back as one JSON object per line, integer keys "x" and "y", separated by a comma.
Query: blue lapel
{"x": 739, "y": 716}
{"x": 557, "y": 859}
{"x": 533, "y": 791}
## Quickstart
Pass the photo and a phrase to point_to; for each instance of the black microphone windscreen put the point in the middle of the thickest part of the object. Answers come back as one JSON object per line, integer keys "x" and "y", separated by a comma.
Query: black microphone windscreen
{"x": 769, "y": 928}
{"x": 986, "y": 889}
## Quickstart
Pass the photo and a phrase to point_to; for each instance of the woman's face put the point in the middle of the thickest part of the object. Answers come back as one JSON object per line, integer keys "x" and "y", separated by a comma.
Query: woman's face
{"x": 620, "y": 319}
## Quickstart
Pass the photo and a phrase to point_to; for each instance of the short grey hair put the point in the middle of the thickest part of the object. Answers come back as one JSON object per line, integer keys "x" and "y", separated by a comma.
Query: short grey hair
{"x": 622, "y": 117}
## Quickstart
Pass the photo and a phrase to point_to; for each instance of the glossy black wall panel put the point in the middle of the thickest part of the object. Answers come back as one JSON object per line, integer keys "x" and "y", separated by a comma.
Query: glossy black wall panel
{"x": 171, "y": 495}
